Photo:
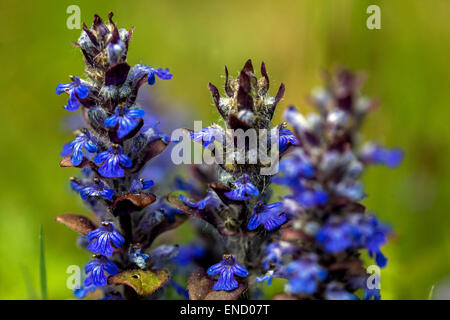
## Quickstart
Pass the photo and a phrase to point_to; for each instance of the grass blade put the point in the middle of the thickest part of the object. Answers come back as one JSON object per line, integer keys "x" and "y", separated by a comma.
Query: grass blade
{"x": 42, "y": 269}
{"x": 29, "y": 284}
{"x": 430, "y": 295}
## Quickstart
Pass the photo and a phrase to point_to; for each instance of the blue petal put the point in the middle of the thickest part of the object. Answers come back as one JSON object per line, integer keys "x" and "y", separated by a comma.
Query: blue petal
{"x": 207, "y": 140}
{"x": 60, "y": 88}
{"x": 394, "y": 158}
{"x": 187, "y": 201}
{"x": 77, "y": 156}
{"x": 82, "y": 292}
{"x": 236, "y": 194}
{"x": 108, "y": 193}
{"x": 117, "y": 239}
{"x": 126, "y": 125}
{"x": 111, "y": 168}
{"x": 67, "y": 149}
{"x": 147, "y": 184}
{"x": 101, "y": 157}
{"x": 226, "y": 282}
{"x": 203, "y": 203}
{"x": 164, "y": 73}
{"x": 125, "y": 161}
{"x": 307, "y": 170}
{"x": 72, "y": 104}
{"x": 111, "y": 268}
{"x": 88, "y": 281}
{"x": 239, "y": 270}
{"x": 151, "y": 78}
{"x": 321, "y": 197}
{"x": 111, "y": 121}
{"x": 101, "y": 245}
{"x": 82, "y": 91}
{"x": 77, "y": 187}
{"x": 380, "y": 259}
{"x": 90, "y": 266}
{"x": 90, "y": 146}
{"x": 274, "y": 222}
{"x": 84, "y": 193}
{"x": 136, "y": 113}
{"x": 215, "y": 269}
{"x": 94, "y": 234}
{"x": 98, "y": 277}
{"x": 251, "y": 189}
{"x": 183, "y": 292}
{"x": 254, "y": 222}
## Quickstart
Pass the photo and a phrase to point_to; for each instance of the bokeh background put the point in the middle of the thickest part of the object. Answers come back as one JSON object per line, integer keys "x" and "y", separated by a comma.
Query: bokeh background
{"x": 407, "y": 67}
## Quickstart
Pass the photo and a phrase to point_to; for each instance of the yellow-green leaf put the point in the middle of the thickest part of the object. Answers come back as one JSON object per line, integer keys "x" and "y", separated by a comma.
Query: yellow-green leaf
{"x": 144, "y": 282}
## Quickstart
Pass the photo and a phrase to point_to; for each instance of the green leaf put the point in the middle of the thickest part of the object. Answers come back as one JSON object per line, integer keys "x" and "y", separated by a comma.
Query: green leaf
{"x": 42, "y": 269}
{"x": 144, "y": 282}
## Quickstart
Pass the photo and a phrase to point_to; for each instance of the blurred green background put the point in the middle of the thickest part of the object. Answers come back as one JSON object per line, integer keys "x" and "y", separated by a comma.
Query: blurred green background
{"x": 407, "y": 66}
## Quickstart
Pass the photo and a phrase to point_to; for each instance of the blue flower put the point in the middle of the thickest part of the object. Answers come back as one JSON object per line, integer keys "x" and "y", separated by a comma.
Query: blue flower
{"x": 372, "y": 294}
{"x": 137, "y": 185}
{"x": 270, "y": 215}
{"x": 312, "y": 198}
{"x": 211, "y": 199}
{"x": 126, "y": 118}
{"x": 76, "y": 185}
{"x": 160, "y": 72}
{"x": 285, "y": 138}
{"x": 335, "y": 237}
{"x": 96, "y": 190}
{"x": 97, "y": 271}
{"x": 227, "y": 268}
{"x": 335, "y": 292}
{"x": 372, "y": 235}
{"x": 102, "y": 239}
{"x": 268, "y": 276}
{"x": 75, "y": 90}
{"x": 293, "y": 169}
{"x": 83, "y": 140}
{"x": 275, "y": 251}
{"x": 377, "y": 155}
{"x": 243, "y": 189}
{"x": 111, "y": 161}
{"x": 208, "y": 135}
{"x": 304, "y": 274}
{"x": 137, "y": 256}
{"x": 188, "y": 253}
{"x": 82, "y": 292}
{"x": 357, "y": 232}
{"x": 180, "y": 290}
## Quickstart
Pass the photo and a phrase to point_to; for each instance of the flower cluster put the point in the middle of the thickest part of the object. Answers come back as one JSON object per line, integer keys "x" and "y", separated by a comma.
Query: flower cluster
{"x": 112, "y": 151}
{"x": 236, "y": 206}
{"x": 320, "y": 246}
